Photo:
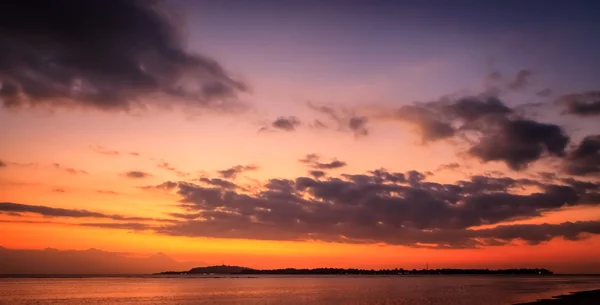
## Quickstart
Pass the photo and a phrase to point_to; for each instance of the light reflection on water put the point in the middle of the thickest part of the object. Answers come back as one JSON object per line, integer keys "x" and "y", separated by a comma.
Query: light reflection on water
{"x": 403, "y": 290}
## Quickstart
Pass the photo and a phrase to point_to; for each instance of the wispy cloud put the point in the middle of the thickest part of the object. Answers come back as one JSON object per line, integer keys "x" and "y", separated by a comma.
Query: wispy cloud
{"x": 69, "y": 170}
{"x": 137, "y": 174}
{"x": 232, "y": 172}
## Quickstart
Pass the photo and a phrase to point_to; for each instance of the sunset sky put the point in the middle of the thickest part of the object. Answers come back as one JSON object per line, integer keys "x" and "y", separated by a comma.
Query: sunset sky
{"x": 371, "y": 134}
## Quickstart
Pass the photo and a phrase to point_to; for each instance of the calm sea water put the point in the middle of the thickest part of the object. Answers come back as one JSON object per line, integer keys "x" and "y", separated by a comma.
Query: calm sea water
{"x": 403, "y": 290}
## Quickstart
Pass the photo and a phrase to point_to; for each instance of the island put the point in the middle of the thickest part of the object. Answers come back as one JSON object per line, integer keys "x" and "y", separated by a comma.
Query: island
{"x": 237, "y": 270}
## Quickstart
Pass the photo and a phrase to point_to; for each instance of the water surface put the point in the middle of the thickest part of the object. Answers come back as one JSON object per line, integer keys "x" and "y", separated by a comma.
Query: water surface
{"x": 403, "y": 290}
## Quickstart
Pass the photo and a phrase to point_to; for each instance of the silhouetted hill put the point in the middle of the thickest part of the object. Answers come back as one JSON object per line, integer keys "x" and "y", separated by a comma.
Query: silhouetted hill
{"x": 317, "y": 271}
{"x": 91, "y": 261}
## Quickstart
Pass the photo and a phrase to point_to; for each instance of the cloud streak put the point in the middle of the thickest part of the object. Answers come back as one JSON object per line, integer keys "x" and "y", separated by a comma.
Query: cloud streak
{"x": 69, "y": 170}
{"x": 137, "y": 174}
{"x": 10, "y": 207}
{"x": 313, "y": 160}
{"x": 232, "y": 172}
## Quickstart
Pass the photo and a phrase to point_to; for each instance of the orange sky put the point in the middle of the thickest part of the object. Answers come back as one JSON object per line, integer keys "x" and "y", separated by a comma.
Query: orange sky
{"x": 488, "y": 153}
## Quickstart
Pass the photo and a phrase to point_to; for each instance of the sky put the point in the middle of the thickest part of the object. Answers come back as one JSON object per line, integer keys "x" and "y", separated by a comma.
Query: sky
{"x": 269, "y": 134}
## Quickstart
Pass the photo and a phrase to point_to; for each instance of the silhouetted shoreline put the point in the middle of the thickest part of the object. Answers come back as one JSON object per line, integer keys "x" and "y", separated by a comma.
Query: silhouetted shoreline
{"x": 352, "y": 271}
{"x": 575, "y": 298}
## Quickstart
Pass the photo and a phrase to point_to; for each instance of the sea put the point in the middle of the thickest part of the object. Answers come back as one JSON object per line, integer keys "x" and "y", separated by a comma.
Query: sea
{"x": 323, "y": 289}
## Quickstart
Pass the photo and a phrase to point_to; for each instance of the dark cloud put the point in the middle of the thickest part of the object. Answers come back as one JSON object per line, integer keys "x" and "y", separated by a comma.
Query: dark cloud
{"x": 313, "y": 160}
{"x": 136, "y": 174}
{"x": 535, "y": 234}
{"x": 520, "y": 142}
{"x": 69, "y": 170}
{"x": 470, "y": 109}
{"x": 582, "y": 104}
{"x": 109, "y": 55}
{"x": 435, "y": 120}
{"x": 430, "y": 127}
{"x": 286, "y": 123}
{"x": 585, "y": 158}
{"x": 395, "y": 208}
{"x": 521, "y": 80}
{"x": 330, "y": 165}
{"x": 317, "y": 174}
{"x": 2, "y": 164}
{"x": 60, "y": 212}
{"x": 493, "y": 130}
{"x": 449, "y": 166}
{"x": 231, "y": 173}
{"x": 58, "y": 190}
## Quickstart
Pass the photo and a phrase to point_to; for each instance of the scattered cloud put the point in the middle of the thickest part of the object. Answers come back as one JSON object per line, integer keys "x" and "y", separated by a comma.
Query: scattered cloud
{"x": 58, "y": 190}
{"x": 313, "y": 160}
{"x": 103, "y": 151}
{"x": 109, "y": 152}
{"x": 137, "y": 174}
{"x": 83, "y": 54}
{"x": 286, "y": 123}
{"x": 449, "y": 166}
{"x": 69, "y": 170}
{"x": 231, "y": 173}
{"x": 343, "y": 119}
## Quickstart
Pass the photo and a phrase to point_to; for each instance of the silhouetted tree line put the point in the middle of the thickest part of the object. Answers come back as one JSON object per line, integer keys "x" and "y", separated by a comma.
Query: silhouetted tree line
{"x": 352, "y": 271}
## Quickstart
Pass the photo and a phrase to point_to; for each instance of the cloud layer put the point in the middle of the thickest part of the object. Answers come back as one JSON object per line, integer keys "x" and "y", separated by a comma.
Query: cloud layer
{"x": 374, "y": 207}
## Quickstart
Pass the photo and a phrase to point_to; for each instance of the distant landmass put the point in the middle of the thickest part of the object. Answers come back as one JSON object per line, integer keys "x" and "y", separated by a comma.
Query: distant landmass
{"x": 237, "y": 270}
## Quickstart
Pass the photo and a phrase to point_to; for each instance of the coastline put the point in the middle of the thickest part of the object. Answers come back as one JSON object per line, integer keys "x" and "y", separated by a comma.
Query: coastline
{"x": 575, "y": 298}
